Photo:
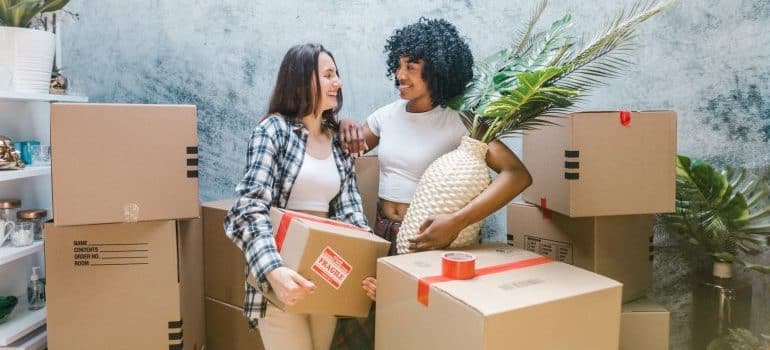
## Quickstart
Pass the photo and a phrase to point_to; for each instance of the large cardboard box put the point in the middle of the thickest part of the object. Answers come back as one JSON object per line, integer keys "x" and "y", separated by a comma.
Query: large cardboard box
{"x": 614, "y": 246}
{"x": 368, "y": 179}
{"x": 644, "y": 325}
{"x": 227, "y": 329}
{"x": 224, "y": 264}
{"x": 334, "y": 255}
{"x": 591, "y": 164}
{"x": 518, "y": 299}
{"x": 120, "y": 163}
{"x": 125, "y": 286}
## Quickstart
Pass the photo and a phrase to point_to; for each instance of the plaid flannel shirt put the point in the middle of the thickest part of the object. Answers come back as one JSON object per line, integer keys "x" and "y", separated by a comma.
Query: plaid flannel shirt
{"x": 273, "y": 160}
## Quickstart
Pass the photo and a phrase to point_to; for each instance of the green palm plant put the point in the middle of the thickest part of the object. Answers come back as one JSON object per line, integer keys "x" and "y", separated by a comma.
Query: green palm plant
{"x": 544, "y": 74}
{"x": 722, "y": 214}
{"x": 541, "y": 75}
{"x": 19, "y": 13}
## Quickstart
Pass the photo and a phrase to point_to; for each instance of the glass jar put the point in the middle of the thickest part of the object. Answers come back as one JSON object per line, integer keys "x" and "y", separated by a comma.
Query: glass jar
{"x": 36, "y": 217}
{"x": 8, "y": 209}
{"x": 23, "y": 235}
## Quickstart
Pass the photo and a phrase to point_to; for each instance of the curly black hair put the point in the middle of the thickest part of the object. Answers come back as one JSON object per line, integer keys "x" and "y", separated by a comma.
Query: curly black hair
{"x": 448, "y": 59}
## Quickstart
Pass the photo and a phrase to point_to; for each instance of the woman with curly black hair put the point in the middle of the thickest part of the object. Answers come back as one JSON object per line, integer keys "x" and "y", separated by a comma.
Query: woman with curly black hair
{"x": 430, "y": 64}
{"x": 446, "y": 60}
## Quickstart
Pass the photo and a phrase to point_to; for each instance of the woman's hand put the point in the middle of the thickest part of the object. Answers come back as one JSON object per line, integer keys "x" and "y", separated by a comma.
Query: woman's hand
{"x": 289, "y": 286}
{"x": 369, "y": 285}
{"x": 437, "y": 232}
{"x": 352, "y": 137}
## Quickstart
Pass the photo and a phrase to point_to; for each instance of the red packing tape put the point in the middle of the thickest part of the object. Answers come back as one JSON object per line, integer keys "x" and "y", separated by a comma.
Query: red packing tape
{"x": 288, "y": 216}
{"x": 458, "y": 265}
{"x": 625, "y": 118}
{"x": 544, "y": 208}
{"x": 423, "y": 284}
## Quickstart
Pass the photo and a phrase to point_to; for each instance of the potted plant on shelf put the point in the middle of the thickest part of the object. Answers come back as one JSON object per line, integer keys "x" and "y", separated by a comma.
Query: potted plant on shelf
{"x": 516, "y": 89}
{"x": 26, "y": 54}
{"x": 722, "y": 217}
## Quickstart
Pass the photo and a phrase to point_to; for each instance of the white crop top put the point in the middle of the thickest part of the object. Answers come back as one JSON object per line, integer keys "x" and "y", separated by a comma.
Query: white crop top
{"x": 317, "y": 183}
{"x": 409, "y": 143}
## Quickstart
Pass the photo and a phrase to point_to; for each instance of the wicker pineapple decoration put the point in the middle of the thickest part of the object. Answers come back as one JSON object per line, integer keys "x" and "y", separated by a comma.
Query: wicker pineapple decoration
{"x": 515, "y": 90}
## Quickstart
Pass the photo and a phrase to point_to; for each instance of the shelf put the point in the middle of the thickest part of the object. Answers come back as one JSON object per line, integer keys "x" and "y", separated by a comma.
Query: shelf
{"x": 34, "y": 341}
{"x": 22, "y": 322}
{"x": 9, "y": 253}
{"x": 26, "y": 96}
{"x": 28, "y": 171}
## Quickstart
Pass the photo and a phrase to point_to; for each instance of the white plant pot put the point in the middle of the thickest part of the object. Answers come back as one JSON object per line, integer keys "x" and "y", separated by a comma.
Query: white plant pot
{"x": 26, "y": 59}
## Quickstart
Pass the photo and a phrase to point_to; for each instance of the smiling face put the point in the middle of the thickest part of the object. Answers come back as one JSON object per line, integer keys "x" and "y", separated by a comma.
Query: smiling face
{"x": 411, "y": 85}
{"x": 329, "y": 82}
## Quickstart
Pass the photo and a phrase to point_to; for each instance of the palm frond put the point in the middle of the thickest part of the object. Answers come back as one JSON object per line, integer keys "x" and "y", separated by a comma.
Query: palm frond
{"x": 19, "y": 13}
{"x": 496, "y": 91}
{"x": 526, "y": 33}
{"x": 713, "y": 215}
{"x": 609, "y": 52}
{"x": 522, "y": 106}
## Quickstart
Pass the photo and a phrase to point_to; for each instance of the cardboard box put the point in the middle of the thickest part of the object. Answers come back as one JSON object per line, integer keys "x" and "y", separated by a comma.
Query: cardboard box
{"x": 368, "y": 179}
{"x": 224, "y": 264}
{"x": 334, "y": 255}
{"x": 542, "y": 304}
{"x": 120, "y": 163}
{"x": 593, "y": 165}
{"x": 124, "y": 286}
{"x": 614, "y": 246}
{"x": 644, "y": 325}
{"x": 227, "y": 329}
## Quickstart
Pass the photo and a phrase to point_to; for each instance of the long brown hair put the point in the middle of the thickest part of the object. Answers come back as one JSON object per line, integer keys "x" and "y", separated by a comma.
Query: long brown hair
{"x": 298, "y": 87}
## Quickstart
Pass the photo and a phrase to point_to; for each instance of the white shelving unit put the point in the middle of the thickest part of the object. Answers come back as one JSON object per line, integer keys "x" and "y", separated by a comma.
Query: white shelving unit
{"x": 9, "y": 253}
{"x": 28, "y": 171}
{"x": 22, "y": 322}
{"x": 27, "y": 97}
{"x": 33, "y": 341}
{"x": 25, "y": 116}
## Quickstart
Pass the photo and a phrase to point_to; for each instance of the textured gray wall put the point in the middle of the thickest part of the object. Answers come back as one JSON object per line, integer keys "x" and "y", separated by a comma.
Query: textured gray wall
{"x": 707, "y": 59}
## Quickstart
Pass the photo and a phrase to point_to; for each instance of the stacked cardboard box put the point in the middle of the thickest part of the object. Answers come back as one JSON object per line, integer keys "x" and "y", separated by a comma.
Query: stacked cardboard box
{"x": 644, "y": 325}
{"x": 335, "y": 256}
{"x": 614, "y": 246}
{"x": 122, "y": 272}
{"x": 225, "y": 274}
{"x": 368, "y": 179}
{"x": 517, "y": 299}
{"x": 597, "y": 179}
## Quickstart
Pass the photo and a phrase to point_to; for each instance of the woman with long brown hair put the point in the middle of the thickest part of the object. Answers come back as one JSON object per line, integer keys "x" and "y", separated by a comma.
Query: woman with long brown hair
{"x": 294, "y": 161}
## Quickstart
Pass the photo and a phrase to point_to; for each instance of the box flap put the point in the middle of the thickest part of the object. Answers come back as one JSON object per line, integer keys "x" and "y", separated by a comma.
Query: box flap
{"x": 642, "y": 305}
{"x": 618, "y": 111}
{"x": 222, "y": 204}
{"x": 328, "y": 225}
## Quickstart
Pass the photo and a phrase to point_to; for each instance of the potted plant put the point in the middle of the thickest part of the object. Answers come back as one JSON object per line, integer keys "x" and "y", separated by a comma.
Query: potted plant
{"x": 517, "y": 89}
{"x": 736, "y": 339}
{"x": 722, "y": 217}
{"x": 26, "y": 54}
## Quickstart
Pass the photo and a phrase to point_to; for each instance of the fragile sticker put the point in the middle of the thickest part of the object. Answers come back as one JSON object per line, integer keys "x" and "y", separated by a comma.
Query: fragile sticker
{"x": 332, "y": 267}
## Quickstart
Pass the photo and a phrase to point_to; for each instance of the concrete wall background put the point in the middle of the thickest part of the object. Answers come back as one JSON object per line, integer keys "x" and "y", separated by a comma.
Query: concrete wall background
{"x": 707, "y": 59}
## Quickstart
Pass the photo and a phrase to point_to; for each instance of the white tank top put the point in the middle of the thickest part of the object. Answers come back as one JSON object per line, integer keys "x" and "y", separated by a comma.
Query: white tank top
{"x": 409, "y": 143}
{"x": 317, "y": 183}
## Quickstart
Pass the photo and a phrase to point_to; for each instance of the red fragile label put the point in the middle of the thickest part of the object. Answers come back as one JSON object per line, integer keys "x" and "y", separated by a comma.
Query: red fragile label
{"x": 332, "y": 267}
{"x": 423, "y": 284}
{"x": 625, "y": 118}
{"x": 289, "y": 216}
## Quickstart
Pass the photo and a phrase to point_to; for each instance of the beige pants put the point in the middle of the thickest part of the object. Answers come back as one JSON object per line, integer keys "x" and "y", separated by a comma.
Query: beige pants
{"x": 286, "y": 331}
